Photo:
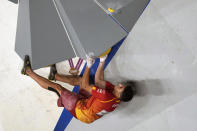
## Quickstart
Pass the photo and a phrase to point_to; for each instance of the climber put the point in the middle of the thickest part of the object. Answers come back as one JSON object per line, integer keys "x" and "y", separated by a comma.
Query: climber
{"x": 93, "y": 101}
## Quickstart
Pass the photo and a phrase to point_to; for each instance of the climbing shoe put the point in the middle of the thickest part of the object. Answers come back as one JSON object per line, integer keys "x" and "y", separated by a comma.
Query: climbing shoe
{"x": 26, "y": 65}
{"x": 52, "y": 73}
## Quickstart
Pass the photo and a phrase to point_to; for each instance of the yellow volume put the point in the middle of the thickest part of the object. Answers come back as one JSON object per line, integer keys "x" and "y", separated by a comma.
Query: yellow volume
{"x": 111, "y": 10}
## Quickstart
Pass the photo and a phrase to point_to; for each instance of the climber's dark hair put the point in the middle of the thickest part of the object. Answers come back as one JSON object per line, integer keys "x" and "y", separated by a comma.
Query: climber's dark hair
{"x": 129, "y": 91}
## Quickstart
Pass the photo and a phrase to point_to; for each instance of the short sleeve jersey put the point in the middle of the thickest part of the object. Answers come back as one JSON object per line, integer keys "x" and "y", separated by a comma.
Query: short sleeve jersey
{"x": 100, "y": 103}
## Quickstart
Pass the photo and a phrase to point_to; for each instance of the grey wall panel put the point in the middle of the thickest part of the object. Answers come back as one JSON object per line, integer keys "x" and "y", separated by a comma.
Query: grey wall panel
{"x": 130, "y": 13}
{"x": 95, "y": 30}
{"x": 126, "y": 12}
{"x": 40, "y": 34}
{"x": 23, "y": 33}
{"x": 49, "y": 41}
{"x": 79, "y": 49}
{"x": 45, "y": 28}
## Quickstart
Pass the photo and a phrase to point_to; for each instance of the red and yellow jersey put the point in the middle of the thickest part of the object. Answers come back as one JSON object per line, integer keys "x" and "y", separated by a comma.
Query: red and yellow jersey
{"x": 101, "y": 102}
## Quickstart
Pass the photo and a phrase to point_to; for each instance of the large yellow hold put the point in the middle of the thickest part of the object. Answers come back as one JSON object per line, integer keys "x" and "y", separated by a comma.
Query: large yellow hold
{"x": 111, "y": 10}
{"x": 105, "y": 53}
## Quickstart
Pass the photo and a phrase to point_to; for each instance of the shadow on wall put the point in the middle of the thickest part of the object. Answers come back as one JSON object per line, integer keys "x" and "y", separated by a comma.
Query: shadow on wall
{"x": 144, "y": 89}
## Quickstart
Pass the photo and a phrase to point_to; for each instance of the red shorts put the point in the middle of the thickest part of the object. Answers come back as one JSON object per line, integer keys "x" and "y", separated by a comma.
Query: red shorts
{"x": 69, "y": 99}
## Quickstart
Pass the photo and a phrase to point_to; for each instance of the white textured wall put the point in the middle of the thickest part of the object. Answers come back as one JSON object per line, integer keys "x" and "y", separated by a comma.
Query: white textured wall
{"x": 161, "y": 54}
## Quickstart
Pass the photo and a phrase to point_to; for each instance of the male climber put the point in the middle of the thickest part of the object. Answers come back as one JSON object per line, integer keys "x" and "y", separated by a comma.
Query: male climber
{"x": 93, "y": 101}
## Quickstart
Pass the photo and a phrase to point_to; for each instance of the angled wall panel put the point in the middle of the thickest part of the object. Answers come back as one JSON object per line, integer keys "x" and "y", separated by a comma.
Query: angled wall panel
{"x": 50, "y": 43}
{"x": 91, "y": 28}
{"x": 23, "y": 33}
{"x": 126, "y": 12}
{"x": 40, "y": 34}
{"x": 51, "y": 31}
